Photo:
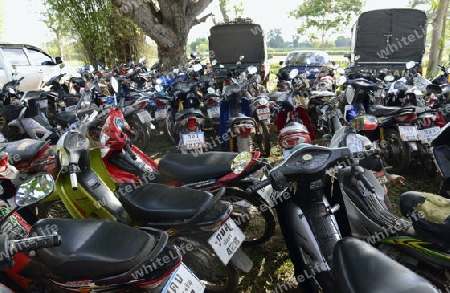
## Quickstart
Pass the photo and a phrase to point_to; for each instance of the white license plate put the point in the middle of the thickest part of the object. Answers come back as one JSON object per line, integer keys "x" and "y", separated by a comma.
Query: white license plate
{"x": 214, "y": 112}
{"x": 144, "y": 116}
{"x": 43, "y": 103}
{"x": 428, "y": 134}
{"x": 193, "y": 140}
{"x": 263, "y": 114}
{"x": 182, "y": 281}
{"x": 227, "y": 240}
{"x": 408, "y": 133}
{"x": 161, "y": 113}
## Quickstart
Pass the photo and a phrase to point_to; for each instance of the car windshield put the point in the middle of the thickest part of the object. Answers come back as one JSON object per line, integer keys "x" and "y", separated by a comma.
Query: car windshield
{"x": 300, "y": 58}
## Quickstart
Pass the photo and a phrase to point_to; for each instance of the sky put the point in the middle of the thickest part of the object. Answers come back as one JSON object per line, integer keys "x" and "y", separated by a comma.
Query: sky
{"x": 22, "y": 18}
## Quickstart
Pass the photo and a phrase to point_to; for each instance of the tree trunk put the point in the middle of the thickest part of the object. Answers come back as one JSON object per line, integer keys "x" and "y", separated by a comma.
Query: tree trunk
{"x": 167, "y": 22}
{"x": 436, "y": 37}
{"x": 443, "y": 35}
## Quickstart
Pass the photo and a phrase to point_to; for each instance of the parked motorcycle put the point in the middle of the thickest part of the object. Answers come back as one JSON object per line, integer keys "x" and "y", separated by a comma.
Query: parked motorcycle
{"x": 355, "y": 273}
{"x": 237, "y": 127}
{"x": 420, "y": 236}
{"x": 196, "y": 218}
{"x": 85, "y": 254}
{"x": 126, "y": 163}
{"x": 185, "y": 123}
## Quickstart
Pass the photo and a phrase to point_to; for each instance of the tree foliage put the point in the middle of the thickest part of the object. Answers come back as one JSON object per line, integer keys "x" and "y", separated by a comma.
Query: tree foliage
{"x": 275, "y": 39}
{"x": 326, "y": 16}
{"x": 102, "y": 32}
{"x": 167, "y": 22}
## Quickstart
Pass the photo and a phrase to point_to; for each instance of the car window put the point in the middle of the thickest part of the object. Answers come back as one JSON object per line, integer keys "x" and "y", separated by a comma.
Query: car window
{"x": 16, "y": 56}
{"x": 39, "y": 58}
{"x": 300, "y": 58}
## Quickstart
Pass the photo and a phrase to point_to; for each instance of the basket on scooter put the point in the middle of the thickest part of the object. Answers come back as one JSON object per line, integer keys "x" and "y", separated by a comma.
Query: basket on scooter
{"x": 11, "y": 112}
{"x": 293, "y": 134}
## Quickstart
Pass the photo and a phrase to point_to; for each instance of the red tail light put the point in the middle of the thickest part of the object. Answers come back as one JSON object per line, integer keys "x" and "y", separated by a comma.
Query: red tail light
{"x": 192, "y": 124}
{"x": 406, "y": 118}
{"x": 211, "y": 102}
{"x": 440, "y": 120}
{"x": 227, "y": 82}
{"x": 159, "y": 103}
{"x": 263, "y": 71}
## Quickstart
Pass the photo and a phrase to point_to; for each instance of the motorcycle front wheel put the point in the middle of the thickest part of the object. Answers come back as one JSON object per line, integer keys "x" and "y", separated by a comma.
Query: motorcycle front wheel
{"x": 141, "y": 130}
{"x": 206, "y": 265}
{"x": 252, "y": 216}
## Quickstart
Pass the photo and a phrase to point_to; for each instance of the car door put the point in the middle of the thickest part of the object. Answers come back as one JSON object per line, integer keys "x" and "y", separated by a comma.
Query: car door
{"x": 21, "y": 66}
{"x": 44, "y": 63}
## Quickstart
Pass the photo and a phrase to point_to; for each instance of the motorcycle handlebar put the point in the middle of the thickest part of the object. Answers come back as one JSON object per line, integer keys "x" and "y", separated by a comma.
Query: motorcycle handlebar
{"x": 257, "y": 186}
{"x": 74, "y": 181}
{"x": 32, "y": 243}
{"x": 130, "y": 151}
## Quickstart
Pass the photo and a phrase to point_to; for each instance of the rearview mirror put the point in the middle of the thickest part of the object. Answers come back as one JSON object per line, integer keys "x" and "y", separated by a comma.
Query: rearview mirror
{"x": 114, "y": 84}
{"x": 293, "y": 73}
{"x": 410, "y": 64}
{"x": 34, "y": 189}
{"x": 389, "y": 78}
{"x": 252, "y": 69}
{"x": 240, "y": 162}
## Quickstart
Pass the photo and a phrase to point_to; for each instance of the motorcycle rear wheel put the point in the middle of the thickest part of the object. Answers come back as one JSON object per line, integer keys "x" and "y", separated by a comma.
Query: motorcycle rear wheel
{"x": 206, "y": 265}
{"x": 396, "y": 152}
{"x": 263, "y": 138}
{"x": 142, "y": 137}
{"x": 257, "y": 222}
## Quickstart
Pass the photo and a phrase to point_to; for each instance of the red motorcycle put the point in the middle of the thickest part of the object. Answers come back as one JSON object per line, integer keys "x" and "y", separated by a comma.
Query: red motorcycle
{"x": 126, "y": 163}
{"x": 81, "y": 255}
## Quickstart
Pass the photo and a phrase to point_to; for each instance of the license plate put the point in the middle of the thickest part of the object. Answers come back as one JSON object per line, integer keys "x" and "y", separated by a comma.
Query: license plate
{"x": 144, "y": 116}
{"x": 214, "y": 112}
{"x": 408, "y": 133}
{"x": 193, "y": 140}
{"x": 227, "y": 240}
{"x": 381, "y": 177}
{"x": 43, "y": 103}
{"x": 182, "y": 281}
{"x": 161, "y": 113}
{"x": 428, "y": 134}
{"x": 263, "y": 114}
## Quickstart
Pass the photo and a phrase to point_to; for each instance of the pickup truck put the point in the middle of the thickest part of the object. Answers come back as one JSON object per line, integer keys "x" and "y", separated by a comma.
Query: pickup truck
{"x": 230, "y": 41}
{"x": 388, "y": 39}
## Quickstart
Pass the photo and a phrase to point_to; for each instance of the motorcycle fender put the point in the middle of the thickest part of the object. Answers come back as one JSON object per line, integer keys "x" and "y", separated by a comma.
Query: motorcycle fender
{"x": 15, "y": 123}
{"x": 241, "y": 260}
{"x": 301, "y": 237}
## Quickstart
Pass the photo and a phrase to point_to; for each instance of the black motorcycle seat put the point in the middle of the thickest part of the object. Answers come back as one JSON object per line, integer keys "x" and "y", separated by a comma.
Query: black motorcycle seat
{"x": 363, "y": 83}
{"x": 240, "y": 118}
{"x": 69, "y": 117}
{"x": 189, "y": 168}
{"x": 359, "y": 267}
{"x": 275, "y": 95}
{"x": 381, "y": 111}
{"x": 154, "y": 202}
{"x": 165, "y": 206}
{"x": 92, "y": 248}
{"x": 23, "y": 150}
{"x": 188, "y": 112}
{"x": 428, "y": 212}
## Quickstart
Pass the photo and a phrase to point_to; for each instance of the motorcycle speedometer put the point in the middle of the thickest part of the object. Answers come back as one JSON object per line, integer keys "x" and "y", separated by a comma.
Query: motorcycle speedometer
{"x": 119, "y": 123}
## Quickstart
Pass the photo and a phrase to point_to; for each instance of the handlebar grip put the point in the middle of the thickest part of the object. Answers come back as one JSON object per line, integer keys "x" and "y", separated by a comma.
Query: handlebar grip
{"x": 128, "y": 132}
{"x": 74, "y": 181}
{"x": 32, "y": 243}
{"x": 257, "y": 186}
{"x": 130, "y": 151}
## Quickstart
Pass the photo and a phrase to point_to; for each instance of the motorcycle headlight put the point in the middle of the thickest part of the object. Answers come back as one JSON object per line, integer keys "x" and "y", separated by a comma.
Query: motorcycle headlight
{"x": 119, "y": 123}
{"x": 354, "y": 143}
{"x": 158, "y": 87}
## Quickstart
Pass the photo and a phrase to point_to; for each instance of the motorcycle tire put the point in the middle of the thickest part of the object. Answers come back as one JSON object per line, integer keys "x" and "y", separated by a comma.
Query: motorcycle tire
{"x": 52, "y": 209}
{"x": 396, "y": 152}
{"x": 173, "y": 139}
{"x": 141, "y": 130}
{"x": 252, "y": 215}
{"x": 263, "y": 138}
{"x": 206, "y": 265}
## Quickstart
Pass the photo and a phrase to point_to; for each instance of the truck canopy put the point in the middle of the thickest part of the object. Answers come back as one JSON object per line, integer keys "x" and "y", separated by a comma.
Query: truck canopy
{"x": 229, "y": 41}
{"x": 389, "y": 36}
